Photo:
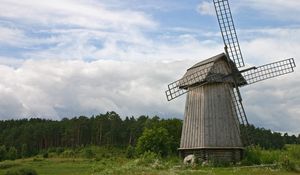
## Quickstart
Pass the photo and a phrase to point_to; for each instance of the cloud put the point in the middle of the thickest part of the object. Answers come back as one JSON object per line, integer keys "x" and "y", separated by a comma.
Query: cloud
{"x": 206, "y": 8}
{"x": 57, "y": 88}
{"x": 72, "y": 13}
{"x": 261, "y": 46}
{"x": 281, "y": 9}
{"x": 68, "y": 29}
{"x": 11, "y": 36}
{"x": 274, "y": 103}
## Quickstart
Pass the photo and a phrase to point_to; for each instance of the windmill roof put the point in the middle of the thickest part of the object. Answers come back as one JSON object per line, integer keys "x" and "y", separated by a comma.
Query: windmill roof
{"x": 209, "y": 60}
{"x": 213, "y": 69}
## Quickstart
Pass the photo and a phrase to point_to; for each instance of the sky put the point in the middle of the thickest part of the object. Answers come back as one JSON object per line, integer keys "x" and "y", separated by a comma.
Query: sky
{"x": 66, "y": 58}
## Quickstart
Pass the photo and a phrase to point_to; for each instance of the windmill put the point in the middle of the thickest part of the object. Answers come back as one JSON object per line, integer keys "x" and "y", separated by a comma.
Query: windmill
{"x": 214, "y": 114}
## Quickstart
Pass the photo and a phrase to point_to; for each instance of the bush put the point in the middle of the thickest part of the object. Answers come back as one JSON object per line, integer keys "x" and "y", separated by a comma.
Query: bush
{"x": 68, "y": 154}
{"x": 59, "y": 150}
{"x": 288, "y": 165}
{"x": 23, "y": 171}
{"x": 294, "y": 151}
{"x": 130, "y": 152}
{"x": 270, "y": 156}
{"x": 156, "y": 140}
{"x": 12, "y": 153}
{"x": 252, "y": 156}
{"x": 46, "y": 155}
{"x": 148, "y": 158}
{"x": 88, "y": 153}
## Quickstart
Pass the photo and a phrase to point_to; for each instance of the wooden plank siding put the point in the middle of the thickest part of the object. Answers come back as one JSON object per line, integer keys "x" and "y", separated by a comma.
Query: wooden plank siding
{"x": 210, "y": 121}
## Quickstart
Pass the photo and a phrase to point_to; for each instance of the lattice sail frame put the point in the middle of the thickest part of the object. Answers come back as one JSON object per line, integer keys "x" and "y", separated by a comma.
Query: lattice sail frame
{"x": 228, "y": 32}
{"x": 243, "y": 124}
{"x": 270, "y": 70}
{"x": 239, "y": 108}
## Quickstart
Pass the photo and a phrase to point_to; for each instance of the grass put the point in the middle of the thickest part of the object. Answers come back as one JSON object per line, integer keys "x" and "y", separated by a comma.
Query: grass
{"x": 107, "y": 161}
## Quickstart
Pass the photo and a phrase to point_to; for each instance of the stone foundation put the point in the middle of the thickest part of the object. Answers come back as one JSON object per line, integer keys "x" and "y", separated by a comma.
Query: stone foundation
{"x": 233, "y": 155}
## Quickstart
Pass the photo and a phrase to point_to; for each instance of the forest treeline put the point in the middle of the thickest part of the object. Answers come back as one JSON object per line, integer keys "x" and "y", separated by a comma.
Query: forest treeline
{"x": 27, "y": 137}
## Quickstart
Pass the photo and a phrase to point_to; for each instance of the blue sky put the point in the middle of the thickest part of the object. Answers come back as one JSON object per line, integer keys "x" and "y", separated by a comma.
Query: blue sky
{"x": 65, "y": 58}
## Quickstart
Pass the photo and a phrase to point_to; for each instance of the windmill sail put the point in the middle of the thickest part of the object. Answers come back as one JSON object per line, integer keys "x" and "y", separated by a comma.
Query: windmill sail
{"x": 269, "y": 71}
{"x": 176, "y": 89}
{"x": 242, "y": 117}
{"x": 239, "y": 108}
{"x": 228, "y": 31}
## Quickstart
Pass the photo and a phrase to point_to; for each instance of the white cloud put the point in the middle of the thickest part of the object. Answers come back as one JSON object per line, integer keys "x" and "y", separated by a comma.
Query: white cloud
{"x": 274, "y": 103}
{"x": 11, "y": 36}
{"x": 56, "y": 88}
{"x": 87, "y": 14}
{"x": 266, "y": 45}
{"x": 281, "y": 9}
{"x": 206, "y": 8}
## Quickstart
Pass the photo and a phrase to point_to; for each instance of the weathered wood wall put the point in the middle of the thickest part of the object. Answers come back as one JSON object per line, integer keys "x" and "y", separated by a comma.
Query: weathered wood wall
{"x": 210, "y": 121}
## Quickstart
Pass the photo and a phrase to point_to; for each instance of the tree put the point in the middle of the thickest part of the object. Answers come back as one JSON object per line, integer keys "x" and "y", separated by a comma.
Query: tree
{"x": 2, "y": 152}
{"x": 12, "y": 153}
{"x": 155, "y": 140}
{"x": 24, "y": 151}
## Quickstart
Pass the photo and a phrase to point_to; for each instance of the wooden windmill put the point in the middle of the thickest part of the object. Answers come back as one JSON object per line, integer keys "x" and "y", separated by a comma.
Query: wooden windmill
{"x": 214, "y": 111}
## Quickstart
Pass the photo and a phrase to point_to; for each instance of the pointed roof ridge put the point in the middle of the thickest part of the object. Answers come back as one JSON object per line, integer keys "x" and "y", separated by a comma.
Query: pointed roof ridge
{"x": 202, "y": 72}
{"x": 207, "y": 61}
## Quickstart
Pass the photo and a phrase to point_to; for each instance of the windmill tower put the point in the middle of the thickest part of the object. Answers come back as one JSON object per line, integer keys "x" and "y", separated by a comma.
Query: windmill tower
{"x": 214, "y": 111}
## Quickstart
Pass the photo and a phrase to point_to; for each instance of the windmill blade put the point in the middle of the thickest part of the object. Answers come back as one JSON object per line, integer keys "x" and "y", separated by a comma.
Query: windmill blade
{"x": 174, "y": 91}
{"x": 241, "y": 114}
{"x": 228, "y": 31}
{"x": 269, "y": 71}
{"x": 239, "y": 108}
{"x": 177, "y": 89}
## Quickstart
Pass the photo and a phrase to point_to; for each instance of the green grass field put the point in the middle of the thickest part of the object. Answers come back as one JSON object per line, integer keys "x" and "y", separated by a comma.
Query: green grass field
{"x": 104, "y": 162}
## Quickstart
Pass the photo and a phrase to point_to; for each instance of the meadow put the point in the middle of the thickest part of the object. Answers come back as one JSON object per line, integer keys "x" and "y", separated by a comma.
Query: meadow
{"x": 114, "y": 161}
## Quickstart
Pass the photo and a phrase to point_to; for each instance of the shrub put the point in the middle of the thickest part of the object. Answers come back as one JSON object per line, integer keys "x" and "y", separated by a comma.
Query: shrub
{"x": 130, "y": 152}
{"x": 287, "y": 164}
{"x": 12, "y": 153}
{"x": 68, "y": 154}
{"x": 294, "y": 151}
{"x": 22, "y": 171}
{"x": 252, "y": 156}
{"x": 59, "y": 150}
{"x": 270, "y": 157}
{"x": 45, "y": 155}
{"x": 148, "y": 158}
{"x": 88, "y": 153}
{"x": 156, "y": 140}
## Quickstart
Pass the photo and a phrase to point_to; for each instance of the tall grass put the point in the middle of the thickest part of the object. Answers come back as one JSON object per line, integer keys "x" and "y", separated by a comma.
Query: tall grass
{"x": 287, "y": 158}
